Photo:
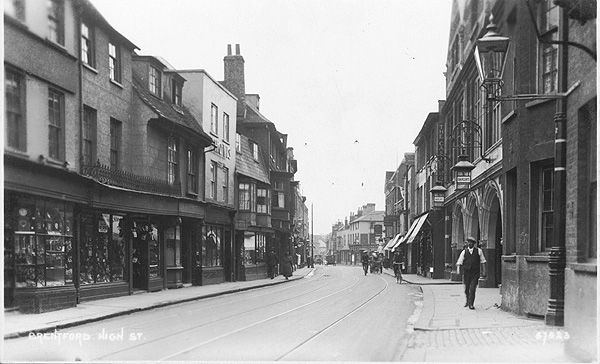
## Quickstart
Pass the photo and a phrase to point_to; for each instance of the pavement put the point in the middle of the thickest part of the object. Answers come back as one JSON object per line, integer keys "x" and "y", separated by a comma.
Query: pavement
{"x": 443, "y": 330}
{"x": 17, "y": 324}
{"x": 439, "y": 330}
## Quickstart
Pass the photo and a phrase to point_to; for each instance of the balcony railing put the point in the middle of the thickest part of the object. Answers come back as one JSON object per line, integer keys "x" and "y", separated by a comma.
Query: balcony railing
{"x": 117, "y": 177}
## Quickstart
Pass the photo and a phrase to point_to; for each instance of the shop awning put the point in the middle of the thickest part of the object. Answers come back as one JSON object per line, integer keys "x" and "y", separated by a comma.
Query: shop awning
{"x": 412, "y": 232}
{"x": 418, "y": 225}
{"x": 392, "y": 242}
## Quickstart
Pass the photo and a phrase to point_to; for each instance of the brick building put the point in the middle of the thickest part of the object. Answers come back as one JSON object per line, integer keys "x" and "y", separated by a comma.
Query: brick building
{"x": 273, "y": 145}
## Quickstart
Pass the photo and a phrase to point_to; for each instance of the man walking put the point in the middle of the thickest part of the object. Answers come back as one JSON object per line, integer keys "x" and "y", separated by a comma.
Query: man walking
{"x": 272, "y": 262}
{"x": 471, "y": 258}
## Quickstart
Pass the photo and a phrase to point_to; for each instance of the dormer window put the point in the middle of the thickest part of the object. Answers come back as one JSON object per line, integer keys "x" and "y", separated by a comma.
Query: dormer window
{"x": 154, "y": 81}
{"x": 176, "y": 89}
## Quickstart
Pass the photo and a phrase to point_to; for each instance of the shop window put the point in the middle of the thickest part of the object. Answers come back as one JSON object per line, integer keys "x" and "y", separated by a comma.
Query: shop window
{"x": 102, "y": 250}
{"x": 173, "y": 242}
{"x": 42, "y": 236}
{"x": 211, "y": 247}
{"x": 254, "y": 248}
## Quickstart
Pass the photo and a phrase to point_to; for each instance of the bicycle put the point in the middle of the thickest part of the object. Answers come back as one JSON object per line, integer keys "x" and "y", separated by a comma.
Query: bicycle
{"x": 398, "y": 272}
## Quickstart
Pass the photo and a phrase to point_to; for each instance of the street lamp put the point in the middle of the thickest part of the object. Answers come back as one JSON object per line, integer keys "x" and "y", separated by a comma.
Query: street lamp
{"x": 490, "y": 51}
{"x": 438, "y": 193}
{"x": 462, "y": 170}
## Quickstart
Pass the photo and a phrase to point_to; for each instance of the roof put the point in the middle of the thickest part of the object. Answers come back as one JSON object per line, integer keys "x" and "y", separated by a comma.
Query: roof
{"x": 200, "y": 70}
{"x": 371, "y": 216}
{"x": 246, "y": 165}
{"x": 431, "y": 118}
{"x": 89, "y": 11}
{"x": 178, "y": 115}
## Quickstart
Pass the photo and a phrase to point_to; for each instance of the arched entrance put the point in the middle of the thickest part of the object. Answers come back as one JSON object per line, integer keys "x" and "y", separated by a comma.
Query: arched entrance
{"x": 495, "y": 238}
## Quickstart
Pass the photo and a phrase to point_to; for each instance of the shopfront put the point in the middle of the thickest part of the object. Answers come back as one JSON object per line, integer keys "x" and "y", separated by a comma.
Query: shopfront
{"x": 253, "y": 253}
{"x": 38, "y": 253}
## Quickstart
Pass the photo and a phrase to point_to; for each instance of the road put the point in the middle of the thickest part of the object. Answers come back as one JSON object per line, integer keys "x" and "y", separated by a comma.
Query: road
{"x": 335, "y": 314}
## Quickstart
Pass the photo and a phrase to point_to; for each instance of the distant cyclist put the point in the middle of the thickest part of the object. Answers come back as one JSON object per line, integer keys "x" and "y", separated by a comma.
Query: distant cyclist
{"x": 398, "y": 266}
{"x": 365, "y": 262}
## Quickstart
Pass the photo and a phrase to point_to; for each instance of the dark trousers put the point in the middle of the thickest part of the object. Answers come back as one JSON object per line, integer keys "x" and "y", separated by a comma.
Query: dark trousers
{"x": 470, "y": 279}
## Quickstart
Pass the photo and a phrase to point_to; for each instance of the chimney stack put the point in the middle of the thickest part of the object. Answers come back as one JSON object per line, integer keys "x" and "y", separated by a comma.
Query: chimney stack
{"x": 234, "y": 75}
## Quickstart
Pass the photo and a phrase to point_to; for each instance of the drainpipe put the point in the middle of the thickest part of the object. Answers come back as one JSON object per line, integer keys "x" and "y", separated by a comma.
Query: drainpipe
{"x": 76, "y": 246}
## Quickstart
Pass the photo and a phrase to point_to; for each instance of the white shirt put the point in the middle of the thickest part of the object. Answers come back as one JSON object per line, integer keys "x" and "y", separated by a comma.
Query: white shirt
{"x": 462, "y": 256}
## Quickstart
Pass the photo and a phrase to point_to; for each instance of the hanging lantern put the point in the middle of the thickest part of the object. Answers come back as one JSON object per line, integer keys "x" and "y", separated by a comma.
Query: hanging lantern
{"x": 438, "y": 194}
{"x": 490, "y": 54}
{"x": 462, "y": 171}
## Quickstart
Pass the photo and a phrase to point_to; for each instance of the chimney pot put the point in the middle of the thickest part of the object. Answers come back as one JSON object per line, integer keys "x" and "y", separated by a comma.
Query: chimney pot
{"x": 229, "y": 49}
{"x": 237, "y": 49}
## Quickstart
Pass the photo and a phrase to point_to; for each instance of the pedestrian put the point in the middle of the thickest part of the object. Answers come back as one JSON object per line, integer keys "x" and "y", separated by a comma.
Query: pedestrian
{"x": 470, "y": 261}
{"x": 272, "y": 262}
{"x": 286, "y": 266}
{"x": 365, "y": 261}
{"x": 398, "y": 266}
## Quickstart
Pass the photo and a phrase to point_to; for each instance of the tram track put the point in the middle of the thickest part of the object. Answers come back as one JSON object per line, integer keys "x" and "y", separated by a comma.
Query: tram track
{"x": 217, "y": 319}
{"x": 287, "y": 312}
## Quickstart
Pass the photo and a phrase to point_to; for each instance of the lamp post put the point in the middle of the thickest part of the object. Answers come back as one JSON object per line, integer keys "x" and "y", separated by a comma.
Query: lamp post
{"x": 490, "y": 56}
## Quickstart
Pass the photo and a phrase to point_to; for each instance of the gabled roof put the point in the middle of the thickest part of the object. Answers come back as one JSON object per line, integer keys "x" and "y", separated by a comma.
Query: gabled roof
{"x": 178, "y": 115}
{"x": 90, "y": 12}
{"x": 246, "y": 165}
{"x": 371, "y": 216}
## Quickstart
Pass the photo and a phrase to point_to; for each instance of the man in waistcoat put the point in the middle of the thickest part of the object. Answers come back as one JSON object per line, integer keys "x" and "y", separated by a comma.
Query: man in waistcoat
{"x": 470, "y": 261}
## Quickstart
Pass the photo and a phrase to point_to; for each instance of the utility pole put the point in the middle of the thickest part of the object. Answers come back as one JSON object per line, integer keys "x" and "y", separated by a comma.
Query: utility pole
{"x": 312, "y": 236}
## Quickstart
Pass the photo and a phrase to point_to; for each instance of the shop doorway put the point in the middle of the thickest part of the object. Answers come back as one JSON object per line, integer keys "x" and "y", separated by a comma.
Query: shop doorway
{"x": 139, "y": 258}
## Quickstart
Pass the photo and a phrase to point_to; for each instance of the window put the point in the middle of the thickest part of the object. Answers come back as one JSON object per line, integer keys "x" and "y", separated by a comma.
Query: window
{"x": 214, "y": 111}
{"x": 173, "y": 244}
{"x": 545, "y": 212}
{"x": 56, "y": 21}
{"x": 14, "y": 93}
{"x": 226, "y": 184}
{"x": 254, "y": 248}
{"x": 176, "y": 93}
{"x": 255, "y": 151}
{"x": 89, "y": 135}
{"x": 192, "y": 171}
{"x": 43, "y": 237}
{"x": 114, "y": 62}
{"x": 56, "y": 102}
{"x": 102, "y": 251}
{"x": 226, "y": 127}
{"x": 115, "y": 143}
{"x": 172, "y": 158}
{"x": 548, "y": 53}
{"x": 492, "y": 124}
{"x": 87, "y": 46}
{"x": 262, "y": 201}
{"x": 154, "y": 81}
{"x": 211, "y": 247}
{"x": 244, "y": 197}
{"x": 16, "y": 9}
{"x": 238, "y": 143}
{"x": 278, "y": 195}
{"x": 213, "y": 180}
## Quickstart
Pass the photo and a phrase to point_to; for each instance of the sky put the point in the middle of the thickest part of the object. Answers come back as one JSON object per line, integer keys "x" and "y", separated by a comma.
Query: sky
{"x": 349, "y": 81}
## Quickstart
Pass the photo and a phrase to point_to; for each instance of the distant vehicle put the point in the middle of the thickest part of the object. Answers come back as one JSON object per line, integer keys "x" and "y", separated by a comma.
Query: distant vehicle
{"x": 318, "y": 261}
{"x": 330, "y": 260}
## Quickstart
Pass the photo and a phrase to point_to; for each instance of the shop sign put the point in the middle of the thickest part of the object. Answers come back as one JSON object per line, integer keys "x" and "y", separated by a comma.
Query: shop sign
{"x": 103, "y": 224}
{"x": 463, "y": 182}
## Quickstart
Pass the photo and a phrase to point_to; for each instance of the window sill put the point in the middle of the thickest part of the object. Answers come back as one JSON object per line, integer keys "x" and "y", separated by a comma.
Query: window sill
{"x": 90, "y": 68}
{"x": 16, "y": 153}
{"x": 192, "y": 194}
{"x": 588, "y": 267}
{"x": 534, "y": 103}
{"x": 509, "y": 258}
{"x": 537, "y": 258}
{"x": 116, "y": 83}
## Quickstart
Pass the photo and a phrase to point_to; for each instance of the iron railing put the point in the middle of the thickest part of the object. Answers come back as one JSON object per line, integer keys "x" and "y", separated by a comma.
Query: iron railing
{"x": 120, "y": 178}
